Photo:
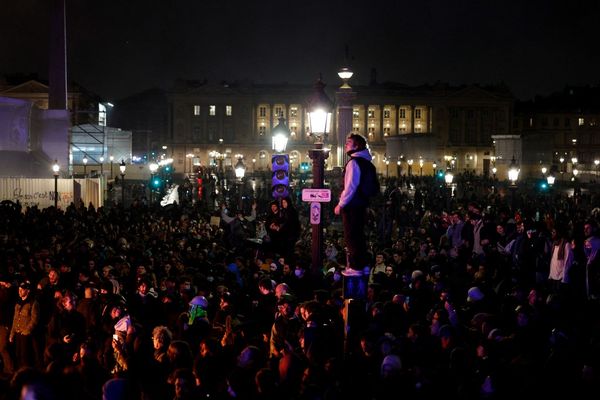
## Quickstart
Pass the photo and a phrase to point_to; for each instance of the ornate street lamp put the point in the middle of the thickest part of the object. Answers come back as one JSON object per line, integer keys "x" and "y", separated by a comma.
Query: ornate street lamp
{"x": 122, "y": 168}
{"x": 410, "y": 163}
{"x": 85, "y": 161}
{"x": 513, "y": 172}
{"x": 240, "y": 172}
{"x": 550, "y": 179}
{"x": 345, "y": 74}
{"x": 448, "y": 178}
{"x": 319, "y": 108}
{"x": 56, "y": 172}
{"x": 281, "y": 134}
{"x": 421, "y": 162}
{"x": 513, "y": 176}
{"x": 153, "y": 168}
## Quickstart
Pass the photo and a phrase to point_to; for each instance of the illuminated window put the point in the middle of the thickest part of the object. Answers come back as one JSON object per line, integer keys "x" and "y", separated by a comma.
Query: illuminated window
{"x": 371, "y": 113}
{"x": 371, "y": 132}
{"x": 229, "y": 111}
{"x": 402, "y": 112}
{"x": 278, "y": 112}
{"x": 262, "y": 111}
{"x": 212, "y": 110}
{"x": 293, "y": 112}
{"x": 417, "y": 113}
{"x": 355, "y": 113}
{"x": 581, "y": 121}
{"x": 386, "y": 131}
{"x": 386, "y": 113}
{"x": 196, "y": 110}
{"x": 262, "y": 130}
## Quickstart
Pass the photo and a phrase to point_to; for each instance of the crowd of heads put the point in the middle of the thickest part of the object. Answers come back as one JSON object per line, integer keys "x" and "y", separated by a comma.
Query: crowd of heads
{"x": 157, "y": 303}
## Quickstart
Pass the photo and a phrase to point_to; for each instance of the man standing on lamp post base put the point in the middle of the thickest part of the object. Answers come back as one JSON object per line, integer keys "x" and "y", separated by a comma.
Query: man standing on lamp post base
{"x": 353, "y": 203}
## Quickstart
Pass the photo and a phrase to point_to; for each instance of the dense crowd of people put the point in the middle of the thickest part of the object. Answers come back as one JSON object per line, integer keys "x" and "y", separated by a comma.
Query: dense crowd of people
{"x": 474, "y": 297}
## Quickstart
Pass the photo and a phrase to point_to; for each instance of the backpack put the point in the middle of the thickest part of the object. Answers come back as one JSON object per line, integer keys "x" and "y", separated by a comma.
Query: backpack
{"x": 369, "y": 183}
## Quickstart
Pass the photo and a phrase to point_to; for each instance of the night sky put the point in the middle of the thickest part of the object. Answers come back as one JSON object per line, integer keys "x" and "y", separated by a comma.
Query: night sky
{"x": 119, "y": 47}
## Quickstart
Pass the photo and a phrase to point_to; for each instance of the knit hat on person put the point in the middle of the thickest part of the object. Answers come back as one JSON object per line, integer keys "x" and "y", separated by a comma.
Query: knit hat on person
{"x": 474, "y": 294}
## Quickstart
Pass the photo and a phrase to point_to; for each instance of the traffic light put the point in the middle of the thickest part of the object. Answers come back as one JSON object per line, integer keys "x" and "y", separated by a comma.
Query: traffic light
{"x": 280, "y": 167}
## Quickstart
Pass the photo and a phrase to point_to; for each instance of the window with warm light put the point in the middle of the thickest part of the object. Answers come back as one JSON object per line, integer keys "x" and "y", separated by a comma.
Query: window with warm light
{"x": 581, "y": 121}
{"x": 386, "y": 131}
{"x": 196, "y": 110}
{"x": 229, "y": 111}
{"x": 262, "y": 111}
{"x": 212, "y": 110}
{"x": 293, "y": 112}
{"x": 262, "y": 130}
{"x": 355, "y": 113}
{"x": 278, "y": 112}
{"x": 417, "y": 113}
{"x": 371, "y": 132}
{"x": 386, "y": 113}
{"x": 402, "y": 113}
{"x": 371, "y": 113}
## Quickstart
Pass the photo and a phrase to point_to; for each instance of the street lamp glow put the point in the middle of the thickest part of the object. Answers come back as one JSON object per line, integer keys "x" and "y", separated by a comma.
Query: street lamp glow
{"x": 345, "y": 74}
{"x": 513, "y": 172}
{"x": 410, "y": 162}
{"x": 153, "y": 167}
{"x": 240, "y": 169}
{"x": 494, "y": 170}
{"x": 101, "y": 159}
{"x": 281, "y": 134}
{"x": 85, "y": 160}
{"x": 448, "y": 178}
{"x": 550, "y": 179}
{"x": 596, "y": 162}
{"x": 544, "y": 170}
{"x": 575, "y": 172}
{"x": 574, "y": 160}
{"x": 319, "y": 108}
{"x": 55, "y": 168}
{"x": 111, "y": 158}
{"x": 122, "y": 167}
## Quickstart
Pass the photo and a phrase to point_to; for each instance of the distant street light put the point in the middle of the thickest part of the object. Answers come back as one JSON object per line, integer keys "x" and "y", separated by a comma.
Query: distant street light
{"x": 122, "y": 168}
{"x": 410, "y": 163}
{"x": 550, "y": 179}
{"x": 56, "y": 171}
{"x": 240, "y": 172}
{"x": 513, "y": 176}
{"x": 153, "y": 168}
{"x": 85, "y": 161}
{"x": 421, "y": 162}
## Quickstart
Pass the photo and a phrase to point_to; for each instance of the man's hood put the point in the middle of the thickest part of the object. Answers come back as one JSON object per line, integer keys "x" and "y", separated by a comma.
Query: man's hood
{"x": 363, "y": 154}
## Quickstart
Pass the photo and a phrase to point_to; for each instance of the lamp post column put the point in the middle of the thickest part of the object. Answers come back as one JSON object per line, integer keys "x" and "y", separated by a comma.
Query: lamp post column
{"x": 55, "y": 170}
{"x": 318, "y": 155}
{"x": 122, "y": 168}
{"x": 345, "y": 95}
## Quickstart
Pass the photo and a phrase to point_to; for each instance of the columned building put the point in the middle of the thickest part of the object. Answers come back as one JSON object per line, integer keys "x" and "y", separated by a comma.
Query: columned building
{"x": 449, "y": 126}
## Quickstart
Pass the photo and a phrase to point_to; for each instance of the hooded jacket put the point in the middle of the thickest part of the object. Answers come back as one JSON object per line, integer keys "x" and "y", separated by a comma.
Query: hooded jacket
{"x": 349, "y": 195}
